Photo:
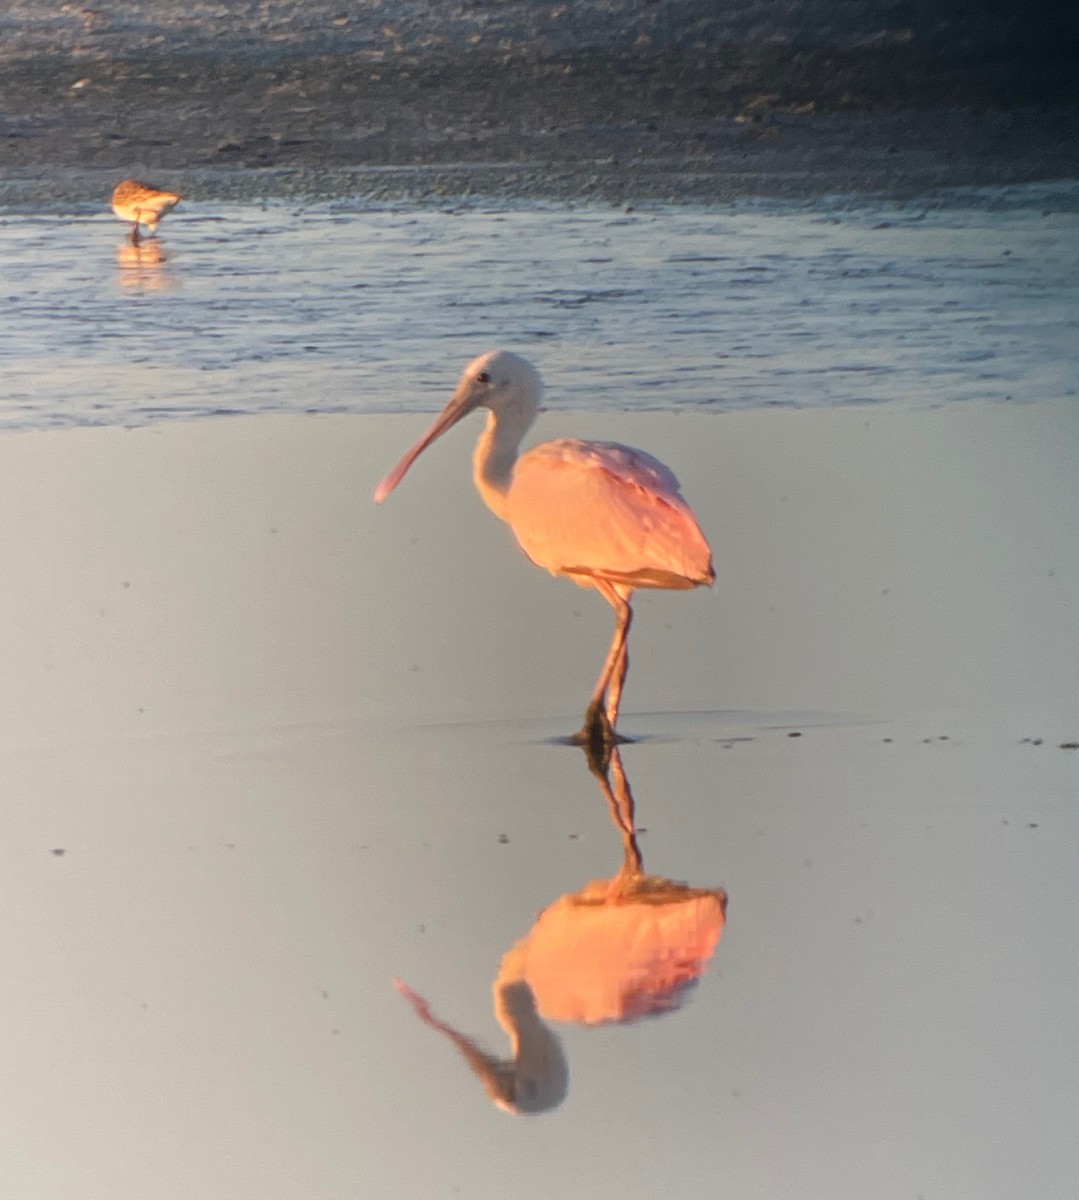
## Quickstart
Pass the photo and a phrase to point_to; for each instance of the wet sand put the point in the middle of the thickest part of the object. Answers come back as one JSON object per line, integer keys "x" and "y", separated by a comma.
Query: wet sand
{"x": 265, "y": 747}
{"x": 606, "y": 100}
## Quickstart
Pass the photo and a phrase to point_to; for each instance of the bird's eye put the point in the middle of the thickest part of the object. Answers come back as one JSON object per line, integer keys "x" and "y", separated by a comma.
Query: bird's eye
{"x": 483, "y": 377}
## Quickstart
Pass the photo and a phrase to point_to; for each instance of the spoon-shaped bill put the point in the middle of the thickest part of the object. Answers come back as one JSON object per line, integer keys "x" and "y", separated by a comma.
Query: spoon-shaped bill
{"x": 459, "y": 406}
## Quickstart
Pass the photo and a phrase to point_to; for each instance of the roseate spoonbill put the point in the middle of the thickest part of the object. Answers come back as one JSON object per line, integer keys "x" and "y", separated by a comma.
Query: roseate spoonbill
{"x": 601, "y": 514}
{"x": 141, "y": 204}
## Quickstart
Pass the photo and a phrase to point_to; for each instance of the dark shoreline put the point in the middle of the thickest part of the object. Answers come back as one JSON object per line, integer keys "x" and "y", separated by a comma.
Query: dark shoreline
{"x": 538, "y": 107}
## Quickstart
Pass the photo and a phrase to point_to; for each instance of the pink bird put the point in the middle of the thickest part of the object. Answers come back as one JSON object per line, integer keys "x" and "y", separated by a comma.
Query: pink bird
{"x": 601, "y": 514}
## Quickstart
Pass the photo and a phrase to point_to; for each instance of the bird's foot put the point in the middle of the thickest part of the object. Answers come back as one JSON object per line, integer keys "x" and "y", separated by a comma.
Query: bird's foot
{"x": 598, "y": 736}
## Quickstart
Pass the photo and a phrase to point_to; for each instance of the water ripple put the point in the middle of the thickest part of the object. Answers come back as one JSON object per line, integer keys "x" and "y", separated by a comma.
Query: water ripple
{"x": 275, "y": 309}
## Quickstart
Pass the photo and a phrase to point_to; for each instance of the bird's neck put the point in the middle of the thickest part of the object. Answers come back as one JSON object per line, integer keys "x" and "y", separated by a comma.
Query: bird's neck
{"x": 495, "y": 455}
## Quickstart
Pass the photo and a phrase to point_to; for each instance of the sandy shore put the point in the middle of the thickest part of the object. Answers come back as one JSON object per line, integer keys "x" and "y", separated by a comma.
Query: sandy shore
{"x": 609, "y": 99}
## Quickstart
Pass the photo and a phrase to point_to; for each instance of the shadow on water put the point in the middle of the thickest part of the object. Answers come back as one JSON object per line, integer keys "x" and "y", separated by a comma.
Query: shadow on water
{"x": 617, "y": 950}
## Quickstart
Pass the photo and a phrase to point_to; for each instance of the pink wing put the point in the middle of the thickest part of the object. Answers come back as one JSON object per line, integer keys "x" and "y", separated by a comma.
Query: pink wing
{"x": 605, "y": 510}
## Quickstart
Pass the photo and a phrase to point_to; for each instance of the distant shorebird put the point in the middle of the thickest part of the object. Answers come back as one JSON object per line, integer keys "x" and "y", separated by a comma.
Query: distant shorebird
{"x": 142, "y": 204}
{"x": 604, "y": 515}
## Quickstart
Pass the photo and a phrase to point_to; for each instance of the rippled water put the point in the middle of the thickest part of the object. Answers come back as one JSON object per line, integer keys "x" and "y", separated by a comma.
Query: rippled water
{"x": 333, "y": 308}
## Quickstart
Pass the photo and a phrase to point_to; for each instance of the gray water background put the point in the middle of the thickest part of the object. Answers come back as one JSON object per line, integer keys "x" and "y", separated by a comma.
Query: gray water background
{"x": 340, "y": 307}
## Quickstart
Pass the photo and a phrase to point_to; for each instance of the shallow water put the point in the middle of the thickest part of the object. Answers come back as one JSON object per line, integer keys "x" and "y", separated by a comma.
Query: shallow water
{"x": 265, "y": 747}
{"x": 334, "y": 308}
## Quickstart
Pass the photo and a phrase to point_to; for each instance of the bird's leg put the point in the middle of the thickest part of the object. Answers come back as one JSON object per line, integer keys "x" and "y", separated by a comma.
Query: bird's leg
{"x": 598, "y": 729}
{"x": 617, "y": 678}
{"x": 614, "y": 689}
{"x": 135, "y": 232}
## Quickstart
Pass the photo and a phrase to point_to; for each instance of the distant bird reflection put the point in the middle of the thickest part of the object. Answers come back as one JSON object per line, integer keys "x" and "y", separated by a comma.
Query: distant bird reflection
{"x": 142, "y": 266}
{"x": 618, "y": 950}
{"x": 604, "y": 515}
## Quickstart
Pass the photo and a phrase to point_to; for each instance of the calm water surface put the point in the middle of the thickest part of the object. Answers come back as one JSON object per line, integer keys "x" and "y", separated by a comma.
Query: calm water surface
{"x": 334, "y": 308}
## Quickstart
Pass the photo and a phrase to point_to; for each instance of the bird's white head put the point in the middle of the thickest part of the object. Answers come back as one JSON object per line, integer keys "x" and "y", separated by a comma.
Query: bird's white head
{"x": 498, "y": 380}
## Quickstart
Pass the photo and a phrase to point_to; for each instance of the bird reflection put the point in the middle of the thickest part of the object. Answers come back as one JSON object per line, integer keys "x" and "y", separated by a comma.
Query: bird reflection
{"x": 142, "y": 266}
{"x": 535, "y": 1077}
{"x": 619, "y": 949}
